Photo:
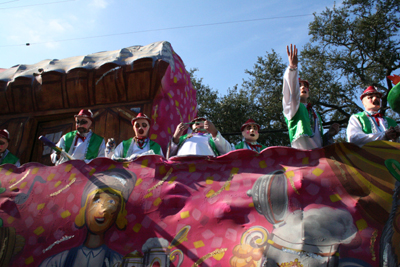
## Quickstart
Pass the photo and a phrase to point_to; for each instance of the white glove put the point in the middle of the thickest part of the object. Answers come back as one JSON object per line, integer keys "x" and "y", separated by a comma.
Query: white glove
{"x": 132, "y": 157}
{"x": 148, "y": 152}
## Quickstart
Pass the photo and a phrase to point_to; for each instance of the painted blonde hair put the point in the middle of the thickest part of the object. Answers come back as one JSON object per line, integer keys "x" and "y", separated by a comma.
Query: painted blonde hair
{"x": 121, "y": 222}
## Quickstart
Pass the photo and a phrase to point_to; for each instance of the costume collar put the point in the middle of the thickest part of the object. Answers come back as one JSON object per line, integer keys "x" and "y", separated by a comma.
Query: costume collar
{"x": 94, "y": 251}
{"x": 371, "y": 113}
{"x": 84, "y": 134}
{"x": 375, "y": 115}
{"x": 251, "y": 143}
{"x": 141, "y": 142}
{"x": 254, "y": 146}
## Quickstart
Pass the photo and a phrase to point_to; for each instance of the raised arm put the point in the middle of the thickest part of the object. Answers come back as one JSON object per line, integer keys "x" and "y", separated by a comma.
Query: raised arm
{"x": 291, "y": 90}
{"x": 180, "y": 129}
{"x": 221, "y": 143}
{"x": 172, "y": 149}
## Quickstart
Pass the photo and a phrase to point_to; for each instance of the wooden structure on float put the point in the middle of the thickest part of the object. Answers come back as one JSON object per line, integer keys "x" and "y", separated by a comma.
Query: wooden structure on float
{"x": 41, "y": 99}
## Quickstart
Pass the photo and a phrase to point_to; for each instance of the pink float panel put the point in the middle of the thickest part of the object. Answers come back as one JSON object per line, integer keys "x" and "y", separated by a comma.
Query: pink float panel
{"x": 175, "y": 103}
{"x": 290, "y": 207}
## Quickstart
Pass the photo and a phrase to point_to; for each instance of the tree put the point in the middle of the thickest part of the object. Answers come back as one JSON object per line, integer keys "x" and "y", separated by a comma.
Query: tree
{"x": 259, "y": 98}
{"x": 207, "y": 98}
{"x": 227, "y": 112}
{"x": 265, "y": 89}
{"x": 351, "y": 47}
{"x": 333, "y": 98}
{"x": 234, "y": 109}
{"x": 357, "y": 44}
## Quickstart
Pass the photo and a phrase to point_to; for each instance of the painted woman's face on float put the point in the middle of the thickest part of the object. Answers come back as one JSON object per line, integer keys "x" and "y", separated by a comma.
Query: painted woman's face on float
{"x": 250, "y": 133}
{"x": 101, "y": 211}
{"x": 3, "y": 144}
{"x": 141, "y": 127}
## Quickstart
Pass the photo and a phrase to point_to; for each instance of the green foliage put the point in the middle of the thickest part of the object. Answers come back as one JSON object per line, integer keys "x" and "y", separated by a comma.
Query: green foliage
{"x": 358, "y": 41}
{"x": 351, "y": 47}
{"x": 227, "y": 112}
{"x": 264, "y": 87}
{"x": 260, "y": 99}
{"x": 207, "y": 98}
{"x": 233, "y": 108}
{"x": 333, "y": 97}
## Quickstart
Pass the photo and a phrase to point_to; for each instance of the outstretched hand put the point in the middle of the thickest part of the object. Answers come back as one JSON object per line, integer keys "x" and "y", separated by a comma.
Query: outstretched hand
{"x": 397, "y": 129}
{"x": 58, "y": 155}
{"x": 391, "y": 134}
{"x": 110, "y": 144}
{"x": 180, "y": 129}
{"x": 292, "y": 56}
{"x": 334, "y": 129}
{"x": 210, "y": 127}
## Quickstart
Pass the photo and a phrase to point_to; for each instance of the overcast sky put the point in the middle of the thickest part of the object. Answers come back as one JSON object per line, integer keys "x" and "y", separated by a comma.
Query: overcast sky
{"x": 206, "y": 34}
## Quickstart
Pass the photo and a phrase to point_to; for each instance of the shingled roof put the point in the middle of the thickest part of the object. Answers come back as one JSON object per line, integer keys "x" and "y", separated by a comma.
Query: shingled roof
{"x": 125, "y": 56}
{"x": 129, "y": 74}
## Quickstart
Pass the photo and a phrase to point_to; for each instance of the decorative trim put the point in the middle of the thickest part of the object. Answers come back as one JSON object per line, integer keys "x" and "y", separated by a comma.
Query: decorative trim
{"x": 372, "y": 247}
{"x": 209, "y": 255}
{"x": 62, "y": 189}
{"x": 227, "y": 183}
{"x": 20, "y": 179}
{"x": 64, "y": 238}
{"x": 162, "y": 181}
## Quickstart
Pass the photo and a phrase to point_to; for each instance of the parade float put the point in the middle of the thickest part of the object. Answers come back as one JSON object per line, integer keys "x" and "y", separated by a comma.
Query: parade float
{"x": 335, "y": 206}
{"x": 41, "y": 99}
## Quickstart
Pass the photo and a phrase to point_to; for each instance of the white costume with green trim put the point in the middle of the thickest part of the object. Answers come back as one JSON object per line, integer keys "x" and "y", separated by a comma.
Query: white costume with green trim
{"x": 8, "y": 157}
{"x": 245, "y": 145}
{"x": 199, "y": 144}
{"x": 135, "y": 151}
{"x": 302, "y": 135}
{"x": 363, "y": 129}
{"x": 80, "y": 150}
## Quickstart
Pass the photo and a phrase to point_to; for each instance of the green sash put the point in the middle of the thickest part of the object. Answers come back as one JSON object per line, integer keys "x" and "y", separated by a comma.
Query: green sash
{"x": 366, "y": 123}
{"x": 153, "y": 146}
{"x": 242, "y": 145}
{"x": 10, "y": 158}
{"x": 300, "y": 124}
{"x": 94, "y": 144}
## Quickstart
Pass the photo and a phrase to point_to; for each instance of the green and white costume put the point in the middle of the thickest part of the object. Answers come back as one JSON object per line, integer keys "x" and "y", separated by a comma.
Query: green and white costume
{"x": 363, "y": 129}
{"x": 199, "y": 144}
{"x": 93, "y": 147}
{"x": 244, "y": 145}
{"x": 305, "y": 131}
{"x": 129, "y": 149}
{"x": 8, "y": 157}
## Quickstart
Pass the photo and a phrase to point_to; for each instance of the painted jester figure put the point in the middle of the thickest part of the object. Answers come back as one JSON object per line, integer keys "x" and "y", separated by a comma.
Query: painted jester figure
{"x": 304, "y": 123}
{"x": 370, "y": 125}
{"x": 80, "y": 144}
{"x": 5, "y": 155}
{"x": 205, "y": 140}
{"x": 250, "y": 135}
{"x": 139, "y": 145}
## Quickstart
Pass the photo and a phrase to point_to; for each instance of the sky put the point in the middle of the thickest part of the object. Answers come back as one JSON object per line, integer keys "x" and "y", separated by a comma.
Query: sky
{"x": 221, "y": 38}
